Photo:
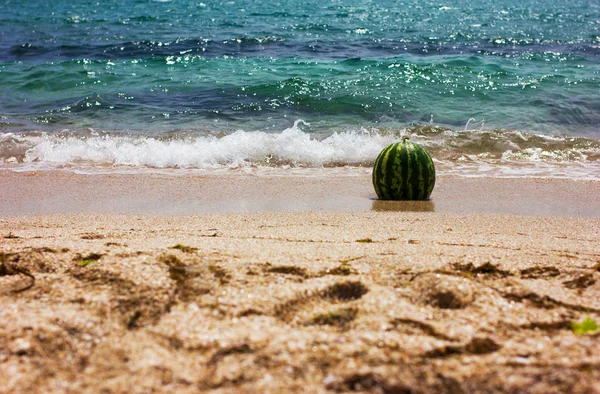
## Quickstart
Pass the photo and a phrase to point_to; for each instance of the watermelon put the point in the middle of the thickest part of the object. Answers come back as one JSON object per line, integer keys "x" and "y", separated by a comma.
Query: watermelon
{"x": 403, "y": 171}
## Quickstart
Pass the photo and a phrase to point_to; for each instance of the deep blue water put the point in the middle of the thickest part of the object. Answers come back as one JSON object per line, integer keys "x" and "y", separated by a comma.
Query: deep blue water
{"x": 192, "y": 69}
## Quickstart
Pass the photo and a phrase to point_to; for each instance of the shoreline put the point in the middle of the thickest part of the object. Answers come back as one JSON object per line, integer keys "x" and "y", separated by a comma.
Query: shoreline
{"x": 58, "y": 192}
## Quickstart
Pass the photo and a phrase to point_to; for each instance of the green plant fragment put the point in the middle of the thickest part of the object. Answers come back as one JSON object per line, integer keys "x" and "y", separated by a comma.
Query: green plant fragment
{"x": 184, "y": 248}
{"x": 588, "y": 326}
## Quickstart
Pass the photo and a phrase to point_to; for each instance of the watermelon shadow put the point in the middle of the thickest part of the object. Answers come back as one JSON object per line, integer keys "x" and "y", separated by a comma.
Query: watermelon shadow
{"x": 403, "y": 206}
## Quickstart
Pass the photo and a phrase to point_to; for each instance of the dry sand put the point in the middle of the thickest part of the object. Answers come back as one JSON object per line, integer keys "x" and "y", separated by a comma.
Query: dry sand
{"x": 453, "y": 297}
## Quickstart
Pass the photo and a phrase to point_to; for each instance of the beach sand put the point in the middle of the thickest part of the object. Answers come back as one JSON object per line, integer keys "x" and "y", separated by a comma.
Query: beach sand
{"x": 243, "y": 283}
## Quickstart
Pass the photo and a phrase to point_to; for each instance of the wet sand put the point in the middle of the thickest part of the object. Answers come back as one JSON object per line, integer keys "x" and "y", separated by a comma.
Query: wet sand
{"x": 154, "y": 284}
{"x": 58, "y": 192}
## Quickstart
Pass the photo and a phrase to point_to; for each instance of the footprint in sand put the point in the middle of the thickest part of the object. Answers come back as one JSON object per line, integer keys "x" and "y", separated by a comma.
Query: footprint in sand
{"x": 340, "y": 292}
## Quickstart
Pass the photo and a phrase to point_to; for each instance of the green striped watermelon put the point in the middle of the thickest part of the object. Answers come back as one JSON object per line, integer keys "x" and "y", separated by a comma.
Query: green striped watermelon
{"x": 403, "y": 171}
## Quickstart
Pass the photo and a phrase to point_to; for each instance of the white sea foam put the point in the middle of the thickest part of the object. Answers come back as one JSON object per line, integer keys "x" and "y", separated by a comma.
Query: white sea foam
{"x": 463, "y": 153}
{"x": 291, "y": 147}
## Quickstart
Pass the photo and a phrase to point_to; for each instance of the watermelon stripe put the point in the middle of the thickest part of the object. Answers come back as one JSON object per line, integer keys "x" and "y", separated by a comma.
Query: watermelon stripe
{"x": 431, "y": 170}
{"x": 405, "y": 170}
{"x": 388, "y": 176}
{"x": 389, "y": 191}
{"x": 419, "y": 181}
{"x": 416, "y": 171}
{"x": 400, "y": 164}
{"x": 421, "y": 161}
{"x": 413, "y": 172}
{"x": 378, "y": 171}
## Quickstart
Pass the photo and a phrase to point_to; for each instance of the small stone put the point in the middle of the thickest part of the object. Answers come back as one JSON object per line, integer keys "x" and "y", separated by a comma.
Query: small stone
{"x": 20, "y": 347}
{"x": 482, "y": 346}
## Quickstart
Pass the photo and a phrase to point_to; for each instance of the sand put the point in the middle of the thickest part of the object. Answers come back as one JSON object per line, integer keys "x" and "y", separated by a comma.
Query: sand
{"x": 337, "y": 190}
{"x": 182, "y": 290}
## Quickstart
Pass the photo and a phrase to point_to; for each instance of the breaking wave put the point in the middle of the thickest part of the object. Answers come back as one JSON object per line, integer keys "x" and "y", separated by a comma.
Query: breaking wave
{"x": 469, "y": 152}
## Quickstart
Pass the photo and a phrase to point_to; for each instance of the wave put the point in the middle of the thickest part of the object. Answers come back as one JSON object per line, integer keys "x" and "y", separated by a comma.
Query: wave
{"x": 469, "y": 152}
{"x": 242, "y": 45}
{"x": 549, "y": 97}
{"x": 282, "y": 46}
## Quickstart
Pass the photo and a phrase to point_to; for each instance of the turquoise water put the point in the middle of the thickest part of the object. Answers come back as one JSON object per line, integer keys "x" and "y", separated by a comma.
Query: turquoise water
{"x": 210, "y": 84}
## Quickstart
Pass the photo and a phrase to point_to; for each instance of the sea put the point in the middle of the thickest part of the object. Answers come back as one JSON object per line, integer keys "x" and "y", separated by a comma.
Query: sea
{"x": 502, "y": 88}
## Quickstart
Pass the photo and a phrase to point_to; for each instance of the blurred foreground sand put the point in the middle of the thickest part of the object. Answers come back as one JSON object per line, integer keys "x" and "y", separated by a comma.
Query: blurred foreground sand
{"x": 365, "y": 300}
